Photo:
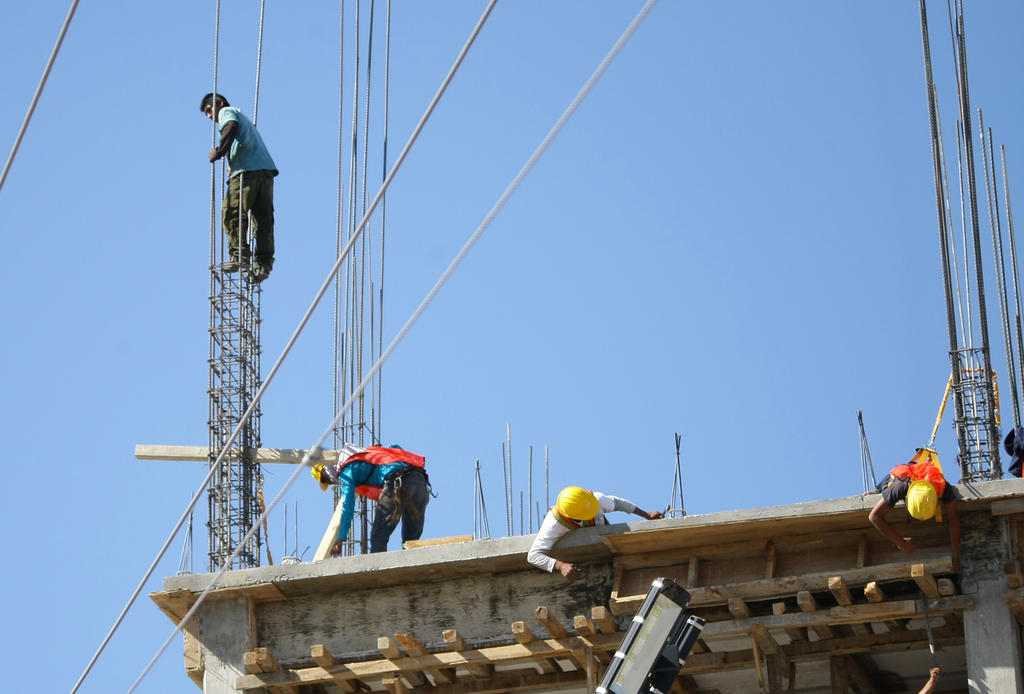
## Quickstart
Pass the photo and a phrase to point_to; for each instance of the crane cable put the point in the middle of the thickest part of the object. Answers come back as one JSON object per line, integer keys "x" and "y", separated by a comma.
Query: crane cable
{"x": 315, "y": 451}
{"x": 39, "y": 91}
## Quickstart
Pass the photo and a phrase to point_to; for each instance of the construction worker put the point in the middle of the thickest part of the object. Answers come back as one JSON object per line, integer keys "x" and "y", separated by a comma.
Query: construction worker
{"x": 250, "y": 186}
{"x": 1014, "y": 445}
{"x": 576, "y": 508}
{"x": 921, "y": 483}
{"x": 933, "y": 681}
{"x": 395, "y": 478}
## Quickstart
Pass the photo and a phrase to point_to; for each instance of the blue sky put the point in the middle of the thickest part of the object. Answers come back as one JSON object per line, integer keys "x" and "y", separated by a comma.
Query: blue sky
{"x": 733, "y": 239}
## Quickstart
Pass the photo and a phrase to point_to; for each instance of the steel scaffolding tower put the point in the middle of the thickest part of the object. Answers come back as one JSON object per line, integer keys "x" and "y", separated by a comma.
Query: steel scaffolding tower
{"x": 234, "y": 380}
{"x": 976, "y": 427}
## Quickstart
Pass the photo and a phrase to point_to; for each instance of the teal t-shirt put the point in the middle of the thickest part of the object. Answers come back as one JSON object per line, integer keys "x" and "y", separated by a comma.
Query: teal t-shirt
{"x": 248, "y": 153}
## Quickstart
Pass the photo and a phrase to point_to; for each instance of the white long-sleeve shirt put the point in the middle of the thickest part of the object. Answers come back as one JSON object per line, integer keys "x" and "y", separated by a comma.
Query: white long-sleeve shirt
{"x": 550, "y": 530}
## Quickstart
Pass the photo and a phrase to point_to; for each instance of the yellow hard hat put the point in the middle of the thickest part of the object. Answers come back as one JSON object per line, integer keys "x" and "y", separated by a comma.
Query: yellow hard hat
{"x": 577, "y": 503}
{"x": 922, "y": 500}
{"x": 317, "y": 472}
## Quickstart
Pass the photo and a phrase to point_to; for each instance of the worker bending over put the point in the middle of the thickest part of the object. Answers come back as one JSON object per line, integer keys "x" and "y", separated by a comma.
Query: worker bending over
{"x": 922, "y": 484}
{"x": 395, "y": 478}
{"x": 576, "y": 508}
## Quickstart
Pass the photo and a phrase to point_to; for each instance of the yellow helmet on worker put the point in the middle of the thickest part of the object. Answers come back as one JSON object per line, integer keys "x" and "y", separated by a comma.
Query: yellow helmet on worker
{"x": 922, "y": 499}
{"x": 577, "y": 503}
{"x": 318, "y": 475}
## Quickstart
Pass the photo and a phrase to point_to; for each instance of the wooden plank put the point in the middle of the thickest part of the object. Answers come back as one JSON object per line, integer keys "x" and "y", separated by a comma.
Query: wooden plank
{"x": 837, "y": 585}
{"x": 808, "y": 604}
{"x": 693, "y": 572}
{"x": 325, "y": 659}
{"x": 603, "y": 619}
{"x": 583, "y": 625}
{"x": 875, "y": 594}
{"x": 391, "y": 651}
{"x": 323, "y": 550}
{"x": 455, "y": 642}
{"x": 555, "y": 628}
{"x": 1006, "y": 507}
{"x": 863, "y": 551}
{"x": 454, "y": 539}
{"x": 395, "y": 685}
{"x": 288, "y": 456}
{"x": 925, "y": 580}
{"x": 413, "y": 647}
{"x": 777, "y": 660}
{"x": 260, "y": 660}
{"x": 738, "y": 608}
{"x": 561, "y": 648}
{"x": 767, "y": 589}
{"x": 524, "y": 635}
{"x": 794, "y": 633}
{"x": 770, "y": 559}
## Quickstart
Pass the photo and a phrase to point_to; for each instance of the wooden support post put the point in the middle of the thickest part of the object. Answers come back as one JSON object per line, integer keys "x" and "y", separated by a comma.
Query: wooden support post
{"x": 693, "y": 573}
{"x": 455, "y": 642}
{"x": 325, "y": 659}
{"x": 925, "y": 581}
{"x": 858, "y": 677}
{"x": 414, "y": 648}
{"x": 863, "y": 551}
{"x": 769, "y": 568}
{"x": 777, "y": 660}
{"x": 807, "y": 603}
{"x": 839, "y": 679}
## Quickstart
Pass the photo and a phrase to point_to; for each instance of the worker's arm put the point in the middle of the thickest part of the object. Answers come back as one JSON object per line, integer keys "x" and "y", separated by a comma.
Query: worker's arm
{"x": 348, "y": 504}
{"x": 227, "y": 135}
{"x": 933, "y": 681}
{"x": 877, "y": 518}
{"x": 649, "y": 515}
{"x": 549, "y": 532}
{"x": 953, "y": 517}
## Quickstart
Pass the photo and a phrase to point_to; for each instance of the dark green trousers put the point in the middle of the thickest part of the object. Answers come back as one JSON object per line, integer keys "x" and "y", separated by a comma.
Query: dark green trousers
{"x": 250, "y": 192}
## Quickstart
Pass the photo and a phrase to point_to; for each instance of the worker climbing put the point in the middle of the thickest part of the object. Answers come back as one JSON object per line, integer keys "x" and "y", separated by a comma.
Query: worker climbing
{"x": 921, "y": 484}
{"x": 576, "y": 508}
{"x": 250, "y": 187}
{"x": 393, "y": 477}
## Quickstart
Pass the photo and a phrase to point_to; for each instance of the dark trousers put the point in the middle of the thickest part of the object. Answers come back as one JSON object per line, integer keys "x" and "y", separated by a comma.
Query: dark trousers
{"x": 404, "y": 497}
{"x": 251, "y": 191}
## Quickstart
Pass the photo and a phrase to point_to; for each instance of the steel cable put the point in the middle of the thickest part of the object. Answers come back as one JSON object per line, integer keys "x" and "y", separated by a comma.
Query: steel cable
{"x": 39, "y": 91}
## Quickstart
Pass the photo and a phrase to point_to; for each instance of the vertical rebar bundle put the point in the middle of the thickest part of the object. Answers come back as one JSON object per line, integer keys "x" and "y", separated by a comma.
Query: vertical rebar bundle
{"x": 234, "y": 378}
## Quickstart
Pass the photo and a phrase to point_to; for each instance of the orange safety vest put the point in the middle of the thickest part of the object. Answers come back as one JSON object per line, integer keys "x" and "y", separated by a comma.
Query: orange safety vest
{"x": 570, "y": 523}
{"x": 378, "y": 455}
{"x": 922, "y": 471}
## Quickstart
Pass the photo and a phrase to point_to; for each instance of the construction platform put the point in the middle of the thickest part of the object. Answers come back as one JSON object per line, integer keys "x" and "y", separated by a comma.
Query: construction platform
{"x": 800, "y": 598}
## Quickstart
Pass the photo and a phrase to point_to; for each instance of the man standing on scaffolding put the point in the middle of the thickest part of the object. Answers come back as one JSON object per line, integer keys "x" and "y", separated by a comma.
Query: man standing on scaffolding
{"x": 250, "y": 186}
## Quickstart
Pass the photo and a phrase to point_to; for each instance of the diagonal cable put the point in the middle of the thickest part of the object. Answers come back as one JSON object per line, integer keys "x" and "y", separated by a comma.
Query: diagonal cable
{"x": 39, "y": 91}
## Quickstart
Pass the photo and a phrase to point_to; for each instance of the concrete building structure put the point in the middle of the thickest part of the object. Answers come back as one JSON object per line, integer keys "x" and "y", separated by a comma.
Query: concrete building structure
{"x": 800, "y": 598}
